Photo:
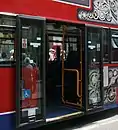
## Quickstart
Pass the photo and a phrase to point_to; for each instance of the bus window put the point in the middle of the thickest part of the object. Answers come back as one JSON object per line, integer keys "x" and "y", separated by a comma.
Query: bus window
{"x": 93, "y": 45}
{"x": 55, "y": 47}
{"x": 105, "y": 45}
{"x": 7, "y": 39}
{"x": 55, "y": 44}
{"x": 114, "y": 45}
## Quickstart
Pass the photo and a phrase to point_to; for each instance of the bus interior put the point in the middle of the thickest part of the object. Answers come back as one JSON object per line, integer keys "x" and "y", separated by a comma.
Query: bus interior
{"x": 63, "y": 70}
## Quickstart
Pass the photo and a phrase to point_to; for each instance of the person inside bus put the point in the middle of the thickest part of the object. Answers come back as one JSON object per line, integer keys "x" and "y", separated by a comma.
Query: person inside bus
{"x": 23, "y": 58}
{"x": 27, "y": 63}
{"x": 3, "y": 56}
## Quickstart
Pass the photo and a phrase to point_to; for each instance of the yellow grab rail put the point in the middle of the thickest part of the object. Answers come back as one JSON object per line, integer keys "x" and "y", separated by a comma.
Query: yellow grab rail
{"x": 75, "y": 70}
{"x": 79, "y": 89}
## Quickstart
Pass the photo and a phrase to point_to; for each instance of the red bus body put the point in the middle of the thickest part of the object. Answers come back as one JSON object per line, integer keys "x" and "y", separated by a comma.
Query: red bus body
{"x": 51, "y": 10}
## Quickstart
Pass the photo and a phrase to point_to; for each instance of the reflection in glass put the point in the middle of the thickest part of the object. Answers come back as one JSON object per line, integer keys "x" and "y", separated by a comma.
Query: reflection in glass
{"x": 114, "y": 45}
{"x": 31, "y": 70}
{"x": 105, "y": 45}
{"x": 94, "y": 67}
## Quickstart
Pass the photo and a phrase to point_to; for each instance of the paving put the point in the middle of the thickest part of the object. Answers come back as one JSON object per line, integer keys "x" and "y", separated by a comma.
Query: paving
{"x": 107, "y": 120}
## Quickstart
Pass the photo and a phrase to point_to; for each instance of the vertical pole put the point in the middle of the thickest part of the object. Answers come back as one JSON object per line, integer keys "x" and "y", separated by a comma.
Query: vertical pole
{"x": 63, "y": 38}
{"x": 101, "y": 67}
{"x": 80, "y": 67}
{"x": 86, "y": 71}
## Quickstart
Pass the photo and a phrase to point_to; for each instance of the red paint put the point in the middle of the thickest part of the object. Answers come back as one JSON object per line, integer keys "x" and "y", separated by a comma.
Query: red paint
{"x": 7, "y": 89}
{"x": 30, "y": 78}
{"x": 46, "y": 8}
{"x": 111, "y": 65}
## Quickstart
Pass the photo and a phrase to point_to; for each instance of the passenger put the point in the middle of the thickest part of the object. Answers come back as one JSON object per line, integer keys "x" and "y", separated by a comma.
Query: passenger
{"x": 27, "y": 63}
{"x": 4, "y": 56}
{"x": 52, "y": 54}
{"x": 23, "y": 58}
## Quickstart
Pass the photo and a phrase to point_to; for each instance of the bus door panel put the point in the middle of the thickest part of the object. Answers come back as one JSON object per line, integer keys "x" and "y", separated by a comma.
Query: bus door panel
{"x": 95, "y": 69}
{"x": 71, "y": 70}
{"x": 30, "y": 71}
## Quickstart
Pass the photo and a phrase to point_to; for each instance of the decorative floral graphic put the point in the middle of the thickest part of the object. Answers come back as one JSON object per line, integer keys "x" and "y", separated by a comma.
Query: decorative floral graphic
{"x": 94, "y": 87}
{"x": 105, "y": 11}
{"x": 110, "y": 90}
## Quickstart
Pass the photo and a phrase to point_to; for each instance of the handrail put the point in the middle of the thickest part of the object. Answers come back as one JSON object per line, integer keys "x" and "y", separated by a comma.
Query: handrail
{"x": 81, "y": 68}
{"x": 64, "y": 32}
{"x": 78, "y": 86}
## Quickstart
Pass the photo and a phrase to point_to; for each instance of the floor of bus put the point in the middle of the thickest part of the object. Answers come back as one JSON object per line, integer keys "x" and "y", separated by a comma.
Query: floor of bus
{"x": 56, "y": 110}
{"x": 55, "y": 107}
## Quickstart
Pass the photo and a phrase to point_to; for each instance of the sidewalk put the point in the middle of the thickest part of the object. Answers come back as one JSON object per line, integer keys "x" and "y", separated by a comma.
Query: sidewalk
{"x": 105, "y": 124}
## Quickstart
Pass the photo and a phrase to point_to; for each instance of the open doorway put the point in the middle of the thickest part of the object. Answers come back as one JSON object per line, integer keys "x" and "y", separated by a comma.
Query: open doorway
{"x": 64, "y": 70}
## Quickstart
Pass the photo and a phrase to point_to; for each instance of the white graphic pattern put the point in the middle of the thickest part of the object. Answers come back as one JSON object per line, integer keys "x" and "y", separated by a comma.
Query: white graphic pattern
{"x": 94, "y": 86}
{"x": 105, "y": 11}
{"x": 110, "y": 90}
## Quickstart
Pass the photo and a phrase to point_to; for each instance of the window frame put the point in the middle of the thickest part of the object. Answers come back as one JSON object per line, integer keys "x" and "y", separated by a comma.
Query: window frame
{"x": 100, "y": 105}
{"x": 111, "y": 56}
{"x": 20, "y": 122}
{"x": 108, "y": 44}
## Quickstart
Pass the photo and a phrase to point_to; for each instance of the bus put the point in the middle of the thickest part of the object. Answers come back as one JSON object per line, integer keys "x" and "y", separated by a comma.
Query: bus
{"x": 58, "y": 60}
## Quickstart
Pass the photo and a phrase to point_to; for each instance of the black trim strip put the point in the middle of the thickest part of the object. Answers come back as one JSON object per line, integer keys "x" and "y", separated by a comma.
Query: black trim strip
{"x": 109, "y": 46}
{"x": 101, "y": 67}
{"x": 86, "y": 69}
{"x": 31, "y": 17}
{"x": 21, "y": 121}
{"x": 18, "y": 39}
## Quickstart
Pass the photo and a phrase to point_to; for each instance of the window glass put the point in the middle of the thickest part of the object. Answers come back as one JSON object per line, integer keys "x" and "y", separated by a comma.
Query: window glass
{"x": 93, "y": 45}
{"x": 114, "y": 45}
{"x": 70, "y": 45}
{"x": 105, "y": 45}
{"x": 7, "y": 36}
{"x": 55, "y": 47}
{"x": 31, "y": 70}
{"x": 31, "y": 40}
{"x": 94, "y": 65}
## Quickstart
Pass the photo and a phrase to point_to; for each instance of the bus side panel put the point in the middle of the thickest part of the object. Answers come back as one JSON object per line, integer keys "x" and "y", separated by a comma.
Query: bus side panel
{"x": 7, "y": 121}
{"x": 40, "y": 8}
{"x": 7, "y": 89}
{"x": 110, "y": 86}
{"x": 7, "y": 98}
